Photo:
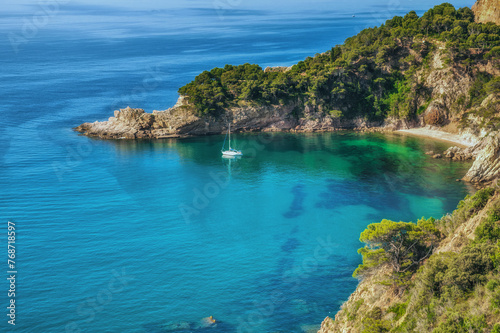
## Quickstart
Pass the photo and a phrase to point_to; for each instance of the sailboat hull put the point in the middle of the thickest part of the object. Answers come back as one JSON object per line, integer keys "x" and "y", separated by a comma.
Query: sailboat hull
{"x": 232, "y": 153}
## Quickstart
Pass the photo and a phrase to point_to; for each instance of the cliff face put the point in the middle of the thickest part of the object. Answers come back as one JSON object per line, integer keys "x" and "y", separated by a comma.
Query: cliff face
{"x": 486, "y": 167}
{"x": 487, "y": 11}
{"x": 179, "y": 121}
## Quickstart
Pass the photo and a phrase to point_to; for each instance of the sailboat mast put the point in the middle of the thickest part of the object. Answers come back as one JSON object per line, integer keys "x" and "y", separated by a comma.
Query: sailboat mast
{"x": 229, "y": 136}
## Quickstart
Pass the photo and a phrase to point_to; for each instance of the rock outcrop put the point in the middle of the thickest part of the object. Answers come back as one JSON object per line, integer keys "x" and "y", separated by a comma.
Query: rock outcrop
{"x": 486, "y": 167}
{"x": 181, "y": 121}
{"x": 487, "y": 11}
{"x": 370, "y": 294}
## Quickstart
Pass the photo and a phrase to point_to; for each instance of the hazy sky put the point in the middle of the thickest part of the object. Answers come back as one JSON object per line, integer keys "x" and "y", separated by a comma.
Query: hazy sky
{"x": 349, "y": 5}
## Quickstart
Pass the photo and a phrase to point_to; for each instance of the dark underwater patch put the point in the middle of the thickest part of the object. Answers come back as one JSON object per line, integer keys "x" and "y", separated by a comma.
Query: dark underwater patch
{"x": 290, "y": 245}
{"x": 296, "y": 207}
{"x": 378, "y": 195}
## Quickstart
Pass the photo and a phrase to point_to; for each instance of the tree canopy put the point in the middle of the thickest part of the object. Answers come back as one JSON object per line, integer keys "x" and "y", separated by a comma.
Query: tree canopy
{"x": 371, "y": 75}
{"x": 403, "y": 245}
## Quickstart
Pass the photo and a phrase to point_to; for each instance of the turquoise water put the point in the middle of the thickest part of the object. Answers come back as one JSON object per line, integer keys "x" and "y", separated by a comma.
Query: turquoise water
{"x": 261, "y": 243}
{"x": 141, "y": 236}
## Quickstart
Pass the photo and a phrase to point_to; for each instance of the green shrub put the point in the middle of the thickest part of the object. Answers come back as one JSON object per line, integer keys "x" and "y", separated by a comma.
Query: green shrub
{"x": 373, "y": 322}
{"x": 465, "y": 209}
{"x": 456, "y": 323}
{"x": 469, "y": 268}
{"x": 398, "y": 309}
{"x": 492, "y": 285}
{"x": 489, "y": 229}
{"x": 352, "y": 313}
{"x": 493, "y": 87}
{"x": 336, "y": 113}
{"x": 477, "y": 201}
{"x": 451, "y": 275}
{"x": 494, "y": 53}
{"x": 495, "y": 300}
{"x": 477, "y": 92}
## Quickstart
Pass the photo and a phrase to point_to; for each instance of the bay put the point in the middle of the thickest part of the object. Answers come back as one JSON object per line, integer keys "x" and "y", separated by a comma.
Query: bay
{"x": 141, "y": 236}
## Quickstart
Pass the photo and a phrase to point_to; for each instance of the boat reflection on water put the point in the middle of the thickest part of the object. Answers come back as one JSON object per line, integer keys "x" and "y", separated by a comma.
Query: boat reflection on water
{"x": 229, "y": 160}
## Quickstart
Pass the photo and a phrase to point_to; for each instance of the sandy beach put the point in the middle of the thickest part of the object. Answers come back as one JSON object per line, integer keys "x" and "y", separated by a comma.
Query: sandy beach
{"x": 436, "y": 134}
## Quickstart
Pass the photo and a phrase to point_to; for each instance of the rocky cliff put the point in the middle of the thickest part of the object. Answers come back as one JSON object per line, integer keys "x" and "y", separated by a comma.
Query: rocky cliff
{"x": 180, "y": 121}
{"x": 486, "y": 167}
{"x": 487, "y": 11}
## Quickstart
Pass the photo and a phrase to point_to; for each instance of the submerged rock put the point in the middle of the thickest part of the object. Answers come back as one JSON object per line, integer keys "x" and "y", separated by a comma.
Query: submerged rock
{"x": 207, "y": 324}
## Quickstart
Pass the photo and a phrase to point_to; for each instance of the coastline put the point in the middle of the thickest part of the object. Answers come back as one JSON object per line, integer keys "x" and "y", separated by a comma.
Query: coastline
{"x": 432, "y": 133}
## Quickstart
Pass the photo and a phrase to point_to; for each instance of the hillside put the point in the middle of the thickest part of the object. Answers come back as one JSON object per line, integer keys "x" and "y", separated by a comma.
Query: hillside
{"x": 405, "y": 288}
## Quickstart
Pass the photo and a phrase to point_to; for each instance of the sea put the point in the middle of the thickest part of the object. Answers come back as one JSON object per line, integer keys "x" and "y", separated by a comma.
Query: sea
{"x": 154, "y": 235}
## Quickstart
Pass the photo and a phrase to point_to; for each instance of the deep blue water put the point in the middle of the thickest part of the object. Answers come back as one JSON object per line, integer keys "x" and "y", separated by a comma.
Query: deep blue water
{"x": 121, "y": 236}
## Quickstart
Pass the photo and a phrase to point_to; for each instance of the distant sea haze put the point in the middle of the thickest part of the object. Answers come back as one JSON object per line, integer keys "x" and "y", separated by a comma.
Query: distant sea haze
{"x": 103, "y": 241}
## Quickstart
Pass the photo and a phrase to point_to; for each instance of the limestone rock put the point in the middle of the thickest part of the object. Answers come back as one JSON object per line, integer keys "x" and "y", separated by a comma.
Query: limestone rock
{"x": 327, "y": 326}
{"x": 459, "y": 154}
{"x": 486, "y": 167}
{"x": 487, "y": 11}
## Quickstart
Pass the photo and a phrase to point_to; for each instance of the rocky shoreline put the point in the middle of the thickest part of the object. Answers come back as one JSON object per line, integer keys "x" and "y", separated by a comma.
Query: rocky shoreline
{"x": 179, "y": 121}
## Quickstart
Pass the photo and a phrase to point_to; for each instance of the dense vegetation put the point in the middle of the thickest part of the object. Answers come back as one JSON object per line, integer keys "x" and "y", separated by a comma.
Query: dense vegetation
{"x": 373, "y": 74}
{"x": 446, "y": 292}
{"x": 403, "y": 245}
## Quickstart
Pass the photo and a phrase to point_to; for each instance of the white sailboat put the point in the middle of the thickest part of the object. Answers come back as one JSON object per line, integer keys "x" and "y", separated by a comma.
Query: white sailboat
{"x": 230, "y": 151}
